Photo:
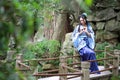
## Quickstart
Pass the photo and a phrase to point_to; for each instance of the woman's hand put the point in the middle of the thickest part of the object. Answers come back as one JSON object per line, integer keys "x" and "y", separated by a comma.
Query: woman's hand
{"x": 86, "y": 31}
{"x": 81, "y": 31}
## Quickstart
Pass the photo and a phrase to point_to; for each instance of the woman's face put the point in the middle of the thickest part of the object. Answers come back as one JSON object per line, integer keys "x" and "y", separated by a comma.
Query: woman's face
{"x": 82, "y": 21}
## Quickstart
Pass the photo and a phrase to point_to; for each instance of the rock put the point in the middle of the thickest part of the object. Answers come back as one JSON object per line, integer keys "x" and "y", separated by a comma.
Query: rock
{"x": 67, "y": 47}
{"x": 118, "y": 16}
{"x": 109, "y": 35}
{"x": 39, "y": 36}
{"x": 47, "y": 66}
{"x": 102, "y": 15}
{"x": 107, "y": 3}
{"x": 112, "y": 25}
{"x": 106, "y": 14}
{"x": 67, "y": 44}
{"x": 93, "y": 26}
{"x": 114, "y": 42}
{"x": 99, "y": 36}
{"x": 100, "y": 25}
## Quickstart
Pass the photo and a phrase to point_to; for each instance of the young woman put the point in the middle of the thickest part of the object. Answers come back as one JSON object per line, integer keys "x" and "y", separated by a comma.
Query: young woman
{"x": 83, "y": 40}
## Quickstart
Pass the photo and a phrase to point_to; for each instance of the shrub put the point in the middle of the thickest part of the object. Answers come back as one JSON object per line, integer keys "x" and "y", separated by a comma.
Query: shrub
{"x": 115, "y": 78}
{"x": 99, "y": 55}
{"x": 46, "y": 48}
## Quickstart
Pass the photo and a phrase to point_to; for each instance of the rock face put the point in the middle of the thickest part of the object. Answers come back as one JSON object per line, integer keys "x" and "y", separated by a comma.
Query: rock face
{"x": 105, "y": 19}
{"x": 67, "y": 46}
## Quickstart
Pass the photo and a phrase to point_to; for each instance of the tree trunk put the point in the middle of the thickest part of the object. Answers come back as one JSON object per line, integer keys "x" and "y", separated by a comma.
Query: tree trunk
{"x": 61, "y": 27}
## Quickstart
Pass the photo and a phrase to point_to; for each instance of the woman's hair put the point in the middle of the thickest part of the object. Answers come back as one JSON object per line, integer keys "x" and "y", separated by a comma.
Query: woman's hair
{"x": 84, "y": 16}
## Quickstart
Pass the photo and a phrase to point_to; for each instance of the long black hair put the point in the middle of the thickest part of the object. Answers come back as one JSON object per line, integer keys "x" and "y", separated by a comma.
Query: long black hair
{"x": 84, "y": 16}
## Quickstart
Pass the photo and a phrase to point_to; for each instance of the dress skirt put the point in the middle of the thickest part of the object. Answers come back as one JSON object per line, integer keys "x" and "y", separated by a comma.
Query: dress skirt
{"x": 88, "y": 54}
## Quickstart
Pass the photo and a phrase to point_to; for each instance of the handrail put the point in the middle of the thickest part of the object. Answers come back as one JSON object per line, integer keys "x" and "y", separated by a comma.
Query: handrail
{"x": 99, "y": 50}
{"x": 110, "y": 54}
{"x": 102, "y": 70}
{"x": 59, "y": 74}
{"x": 24, "y": 65}
{"x": 70, "y": 68}
{"x": 46, "y": 59}
{"x": 93, "y": 60}
{"x": 49, "y": 71}
{"x": 108, "y": 64}
{"x": 102, "y": 59}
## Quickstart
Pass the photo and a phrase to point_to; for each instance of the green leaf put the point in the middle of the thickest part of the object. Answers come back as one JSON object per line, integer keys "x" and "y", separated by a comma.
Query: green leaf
{"x": 89, "y": 2}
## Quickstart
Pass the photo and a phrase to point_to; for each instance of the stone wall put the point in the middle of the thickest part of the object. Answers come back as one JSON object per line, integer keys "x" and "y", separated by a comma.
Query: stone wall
{"x": 105, "y": 20}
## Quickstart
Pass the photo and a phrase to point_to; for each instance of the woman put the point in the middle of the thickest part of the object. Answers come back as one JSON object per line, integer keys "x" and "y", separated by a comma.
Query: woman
{"x": 83, "y": 39}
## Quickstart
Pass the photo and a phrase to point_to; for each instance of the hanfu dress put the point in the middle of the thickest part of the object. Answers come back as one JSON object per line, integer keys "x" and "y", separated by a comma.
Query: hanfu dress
{"x": 85, "y": 45}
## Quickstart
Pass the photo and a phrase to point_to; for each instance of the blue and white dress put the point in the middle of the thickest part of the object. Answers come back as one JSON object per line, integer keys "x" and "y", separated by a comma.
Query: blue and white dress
{"x": 85, "y": 45}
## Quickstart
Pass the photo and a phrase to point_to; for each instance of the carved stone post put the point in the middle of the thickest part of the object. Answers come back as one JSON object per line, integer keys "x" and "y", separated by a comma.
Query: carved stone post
{"x": 11, "y": 50}
{"x": 116, "y": 62}
{"x": 117, "y": 53}
{"x": 85, "y": 70}
{"x": 19, "y": 58}
{"x": 62, "y": 69}
{"x": 107, "y": 50}
{"x": 10, "y": 54}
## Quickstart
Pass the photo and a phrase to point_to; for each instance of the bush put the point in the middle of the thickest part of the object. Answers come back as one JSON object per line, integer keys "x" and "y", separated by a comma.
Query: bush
{"x": 115, "y": 78}
{"x": 99, "y": 55}
{"x": 46, "y": 49}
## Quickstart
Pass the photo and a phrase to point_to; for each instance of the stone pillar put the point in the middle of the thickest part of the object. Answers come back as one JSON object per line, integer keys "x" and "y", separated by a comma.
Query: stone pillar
{"x": 116, "y": 63}
{"x": 11, "y": 50}
{"x": 85, "y": 70}
{"x": 10, "y": 54}
{"x": 19, "y": 58}
{"x": 117, "y": 53}
{"x": 107, "y": 50}
{"x": 63, "y": 62}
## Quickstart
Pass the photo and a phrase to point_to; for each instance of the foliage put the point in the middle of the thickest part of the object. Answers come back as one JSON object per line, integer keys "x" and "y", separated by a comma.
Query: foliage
{"x": 28, "y": 54}
{"x": 43, "y": 49}
{"x": 40, "y": 49}
{"x": 115, "y": 78}
{"x": 101, "y": 46}
{"x": 16, "y": 20}
{"x": 99, "y": 55}
{"x": 70, "y": 60}
{"x": 85, "y": 5}
{"x": 8, "y": 72}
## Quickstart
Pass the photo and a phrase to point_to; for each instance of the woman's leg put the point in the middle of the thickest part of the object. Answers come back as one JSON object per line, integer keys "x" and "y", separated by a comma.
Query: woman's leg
{"x": 89, "y": 54}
